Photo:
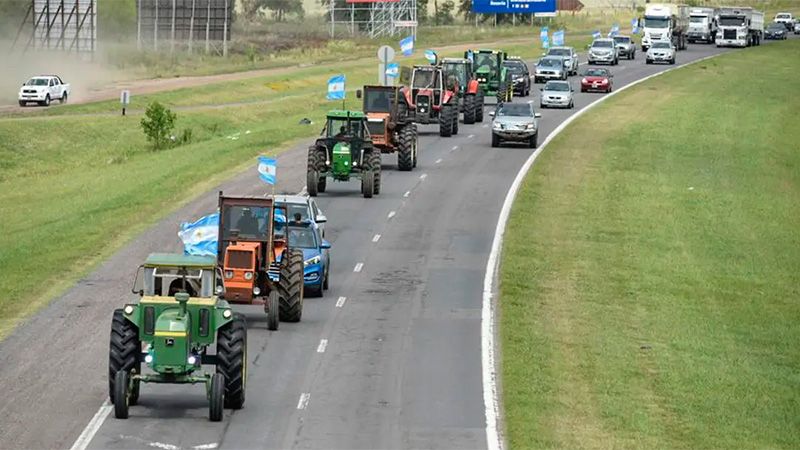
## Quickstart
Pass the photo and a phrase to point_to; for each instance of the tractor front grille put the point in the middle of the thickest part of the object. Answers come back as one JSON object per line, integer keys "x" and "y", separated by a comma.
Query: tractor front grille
{"x": 274, "y": 271}
{"x": 423, "y": 104}
{"x": 376, "y": 128}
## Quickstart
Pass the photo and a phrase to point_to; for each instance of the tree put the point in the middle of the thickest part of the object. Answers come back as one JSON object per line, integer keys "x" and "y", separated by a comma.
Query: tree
{"x": 280, "y": 8}
{"x": 465, "y": 9}
{"x": 444, "y": 13}
{"x": 157, "y": 124}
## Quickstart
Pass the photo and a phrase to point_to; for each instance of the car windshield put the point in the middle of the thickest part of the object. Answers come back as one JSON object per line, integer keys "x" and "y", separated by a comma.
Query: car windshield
{"x": 558, "y": 86}
{"x": 558, "y": 52}
{"x": 486, "y": 61}
{"x": 296, "y": 208}
{"x": 596, "y": 73}
{"x": 622, "y": 40}
{"x": 783, "y": 16}
{"x": 514, "y": 66}
{"x": 302, "y": 237}
{"x": 37, "y": 82}
{"x": 776, "y": 27}
{"x": 602, "y": 44}
{"x": 515, "y": 110}
{"x": 378, "y": 100}
{"x": 550, "y": 62}
{"x": 661, "y": 45}
{"x": 248, "y": 221}
{"x": 656, "y": 22}
{"x": 341, "y": 127}
{"x": 697, "y": 19}
{"x": 425, "y": 79}
{"x": 731, "y": 21}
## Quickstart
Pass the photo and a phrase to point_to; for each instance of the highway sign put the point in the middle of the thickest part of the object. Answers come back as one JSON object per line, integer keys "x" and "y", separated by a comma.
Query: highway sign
{"x": 513, "y": 6}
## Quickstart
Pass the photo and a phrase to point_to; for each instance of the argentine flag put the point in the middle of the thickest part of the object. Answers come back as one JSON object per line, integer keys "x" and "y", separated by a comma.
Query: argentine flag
{"x": 392, "y": 70}
{"x": 558, "y": 38}
{"x": 407, "y": 46}
{"x": 430, "y": 55}
{"x": 634, "y": 26}
{"x": 614, "y": 30}
{"x": 200, "y": 238}
{"x": 267, "y": 169}
{"x": 545, "y": 37}
{"x": 336, "y": 88}
{"x": 596, "y": 35}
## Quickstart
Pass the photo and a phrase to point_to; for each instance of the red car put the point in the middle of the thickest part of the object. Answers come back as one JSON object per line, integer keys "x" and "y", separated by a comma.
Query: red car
{"x": 597, "y": 79}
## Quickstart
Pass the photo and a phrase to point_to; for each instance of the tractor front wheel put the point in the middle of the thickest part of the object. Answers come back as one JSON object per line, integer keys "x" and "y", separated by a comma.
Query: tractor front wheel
{"x": 469, "y": 109}
{"x": 446, "y": 121}
{"x": 479, "y": 107}
{"x": 376, "y": 172}
{"x": 272, "y": 308}
{"x": 405, "y": 149}
{"x": 367, "y": 183}
{"x": 416, "y": 141}
{"x": 121, "y": 394}
{"x": 290, "y": 286}
{"x": 455, "y": 121}
{"x": 232, "y": 359}
{"x": 314, "y": 183}
{"x": 216, "y": 399}
{"x": 123, "y": 354}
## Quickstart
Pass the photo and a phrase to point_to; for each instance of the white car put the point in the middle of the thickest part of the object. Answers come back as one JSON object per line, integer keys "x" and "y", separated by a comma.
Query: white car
{"x": 787, "y": 19}
{"x": 305, "y": 206}
{"x": 557, "y": 94}
{"x": 43, "y": 89}
{"x": 603, "y": 51}
{"x": 661, "y": 51}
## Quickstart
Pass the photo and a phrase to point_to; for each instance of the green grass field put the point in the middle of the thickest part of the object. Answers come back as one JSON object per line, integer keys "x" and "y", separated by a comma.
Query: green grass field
{"x": 651, "y": 269}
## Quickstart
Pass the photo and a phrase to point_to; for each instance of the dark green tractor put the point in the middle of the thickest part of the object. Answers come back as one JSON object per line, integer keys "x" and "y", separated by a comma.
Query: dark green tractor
{"x": 494, "y": 79}
{"x": 470, "y": 95}
{"x": 178, "y": 317}
{"x": 344, "y": 151}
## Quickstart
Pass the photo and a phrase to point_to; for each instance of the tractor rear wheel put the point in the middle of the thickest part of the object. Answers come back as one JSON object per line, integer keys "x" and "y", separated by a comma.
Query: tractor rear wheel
{"x": 375, "y": 163}
{"x": 121, "y": 397}
{"x": 479, "y": 107}
{"x": 232, "y": 360}
{"x": 123, "y": 354}
{"x": 446, "y": 121}
{"x": 216, "y": 398}
{"x": 405, "y": 149}
{"x": 290, "y": 286}
{"x": 469, "y": 109}
{"x": 272, "y": 308}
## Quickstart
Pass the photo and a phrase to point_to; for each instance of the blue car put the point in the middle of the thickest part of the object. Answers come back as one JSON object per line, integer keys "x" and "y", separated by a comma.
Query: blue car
{"x": 317, "y": 261}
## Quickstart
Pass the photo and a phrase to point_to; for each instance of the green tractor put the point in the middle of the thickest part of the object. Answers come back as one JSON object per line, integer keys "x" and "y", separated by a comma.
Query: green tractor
{"x": 494, "y": 79}
{"x": 344, "y": 151}
{"x": 178, "y": 317}
{"x": 469, "y": 92}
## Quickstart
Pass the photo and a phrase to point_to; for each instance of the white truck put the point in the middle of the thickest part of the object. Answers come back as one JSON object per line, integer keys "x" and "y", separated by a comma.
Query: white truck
{"x": 43, "y": 89}
{"x": 787, "y": 19}
{"x": 665, "y": 22}
{"x": 739, "y": 27}
{"x": 702, "y": 25}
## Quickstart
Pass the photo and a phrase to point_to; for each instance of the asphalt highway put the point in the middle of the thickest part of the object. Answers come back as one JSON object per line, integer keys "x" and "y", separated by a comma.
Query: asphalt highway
{"x": 390, "y": 357}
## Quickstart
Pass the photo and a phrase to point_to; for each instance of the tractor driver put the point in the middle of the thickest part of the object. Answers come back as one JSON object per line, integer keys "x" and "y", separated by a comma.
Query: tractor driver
{"x": 247, "y": 223}
{"x": 342, "y": 132}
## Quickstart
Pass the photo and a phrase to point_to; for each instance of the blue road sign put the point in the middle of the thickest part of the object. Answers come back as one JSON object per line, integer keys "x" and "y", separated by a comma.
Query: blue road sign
{"x": 513, "y": 6}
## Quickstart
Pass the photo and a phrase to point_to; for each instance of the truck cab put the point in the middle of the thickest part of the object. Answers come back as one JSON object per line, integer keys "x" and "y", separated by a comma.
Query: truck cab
{"x": 702, "y": 25}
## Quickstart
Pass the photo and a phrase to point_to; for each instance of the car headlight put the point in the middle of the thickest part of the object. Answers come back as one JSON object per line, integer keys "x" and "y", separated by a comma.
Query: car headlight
{"x": 248, "y": 275}
{"x": 497, "y": 126}
{"x": 314, "y": 260}
{"x": 585, "y": 81}
{"x": 530, "y": 126}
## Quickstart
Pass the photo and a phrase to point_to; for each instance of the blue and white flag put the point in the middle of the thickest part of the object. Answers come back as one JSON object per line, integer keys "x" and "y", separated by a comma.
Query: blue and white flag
{"x": 430, "y": 55}
{"x": 336, "y": 88}
{"x": 545, "y": 37}
{"x": 596, "y": 35}
{"x": 200, "y": 238}
{"x": 279, "y": 216}
{"x": 407, "y": 46}
{"x": 470, "y": 56}
{"x": 392, "y": 70}
{"x": 558, "y": 38}
{"x": 634, "y": 26}
{"x": 614, "y": 30}
{"x": 267, "y": 169}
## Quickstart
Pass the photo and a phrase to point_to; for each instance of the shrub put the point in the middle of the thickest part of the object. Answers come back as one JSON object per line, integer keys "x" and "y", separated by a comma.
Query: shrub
{"x": 157, "y": 124}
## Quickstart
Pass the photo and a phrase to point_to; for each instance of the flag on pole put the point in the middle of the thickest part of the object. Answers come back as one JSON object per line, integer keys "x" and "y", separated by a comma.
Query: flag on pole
{"x": 267, "y": 169}
{"x": 634, "y": 26}
{"x": 393, "y": 70}
{"x": 200, "y": 237}
{"x": 545, "y": 37}
{"x": 558, "y": 37}
{"x": 336, "y": 88}
{"x": 596, "y": 34}
{"x": 430, "y": 55}
{"x": 614, "y": 30}
{"x": 407, "y": 46}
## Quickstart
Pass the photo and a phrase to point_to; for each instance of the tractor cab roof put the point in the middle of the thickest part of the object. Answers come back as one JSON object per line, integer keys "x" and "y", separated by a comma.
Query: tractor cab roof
{"x": 179, "y": 260}
{"x": 345, "y": 114}
{"x": 455, "y": 61}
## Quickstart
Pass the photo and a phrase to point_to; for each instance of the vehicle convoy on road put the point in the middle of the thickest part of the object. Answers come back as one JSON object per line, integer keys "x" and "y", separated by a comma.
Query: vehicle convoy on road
{"x": 597, "y": 79}
{"x": 569, "y": 55}
{"x": 304, "y": 235}
{"x": 739, "y": 27}
{"x": 787, "y": 19}
{"x": 259, "y": 266}
{"x": 390, "y": 125}
{"x": 702, "y": 25}
{"x": 493, "y": 77}
{"x": 520, "y": 76}
{"x": 661, "y": 52}
{"x": 178, "y": 317}
{"x": 603, "y": 50}
{"x": 470, "y": 95}
{"x": 305, "y": 206}
{"x": 515, "y": 122}
{"x": 557, "y": 94}
{"x": 776, "y": 31}
{"x": 43, "y": 89}
{"x": 665, "y": 21}
{"x": 625, "y": 46}
{"x": 433, "y": 99}
{"x": 549, "y": 68}
{"x": 344, "y": 152}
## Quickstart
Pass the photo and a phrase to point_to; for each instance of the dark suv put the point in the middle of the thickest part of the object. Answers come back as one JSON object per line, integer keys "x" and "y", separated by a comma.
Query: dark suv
{"x": 520, "y": 76}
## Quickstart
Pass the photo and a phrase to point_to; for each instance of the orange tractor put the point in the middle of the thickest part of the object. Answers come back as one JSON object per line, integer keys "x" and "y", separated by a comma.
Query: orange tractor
{"x": 258, "y": 267}
{"x": 391, "y": 128}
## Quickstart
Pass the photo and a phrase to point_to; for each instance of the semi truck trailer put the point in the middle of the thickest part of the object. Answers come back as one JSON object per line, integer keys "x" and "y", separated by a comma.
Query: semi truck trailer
{"x": 665, "y": 22}
{"x": 739, "y": 27}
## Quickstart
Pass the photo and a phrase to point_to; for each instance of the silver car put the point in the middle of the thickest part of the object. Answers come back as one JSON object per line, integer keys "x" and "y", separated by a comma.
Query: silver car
{"x": 603, "y": 51}
{"x": 557, "y": 94}
{"x": 569, "y": 56}
{"x": 625, "y": 46}
{"x": 305, "y": 206}
{"x": 549, "y": 68}
{"x": 515, "y": 122}
{"x": 661, "y": 51}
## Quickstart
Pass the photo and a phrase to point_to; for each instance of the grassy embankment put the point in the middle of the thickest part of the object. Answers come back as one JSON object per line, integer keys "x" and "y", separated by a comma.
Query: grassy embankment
{"x": 651, "y": 270}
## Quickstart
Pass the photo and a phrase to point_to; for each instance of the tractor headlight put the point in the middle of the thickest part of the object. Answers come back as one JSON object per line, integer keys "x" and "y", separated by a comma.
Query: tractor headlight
{"x": 148, "y": 358}
{"x": 256, "y": 291}
{"x": 248, "y": 276}
{"x": 227, "y": 314}
{"x": 219, "y": 290}
{"x": 314, "y": 260}
{"x": 192, "y": 360}
{"x": 228, "y": 274}
{"x": 128, "y": 309}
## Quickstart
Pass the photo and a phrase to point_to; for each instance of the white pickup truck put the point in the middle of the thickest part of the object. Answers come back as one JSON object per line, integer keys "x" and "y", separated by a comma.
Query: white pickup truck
{"x": 43, "y": 89}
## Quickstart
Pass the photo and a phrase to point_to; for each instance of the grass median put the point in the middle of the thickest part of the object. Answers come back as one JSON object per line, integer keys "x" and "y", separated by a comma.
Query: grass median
{"x": 649, "y": 279}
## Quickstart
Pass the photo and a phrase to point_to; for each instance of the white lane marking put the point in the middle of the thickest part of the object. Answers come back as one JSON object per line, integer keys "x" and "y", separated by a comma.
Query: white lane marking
{"x": 486, "y": 125}
{"x": 455, "y": 147}
{"x": 438, "y": 161}
{"x": 323, "y": 343}
{"x": 358, "y": 267}
{"x": 530, "y": 101}
{"x": 163, "y": 446}
{"x": 423, "y": 176}
{"x": 470, "y": 136}
{"x": 376, "y": 238}
{"x": 93, "y": 427}
{"x": 488, "y": 361}
{"x": 340, "y": 302}
{"x": 407, "y": 194}
{"x": 206, "y": 446}
{"x": 303, "y": 402}
{"x": 391, "y": 214}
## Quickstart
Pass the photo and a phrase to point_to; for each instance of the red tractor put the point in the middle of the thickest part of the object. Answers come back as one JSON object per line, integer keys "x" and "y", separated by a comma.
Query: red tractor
{"x": 433, "y": 98}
